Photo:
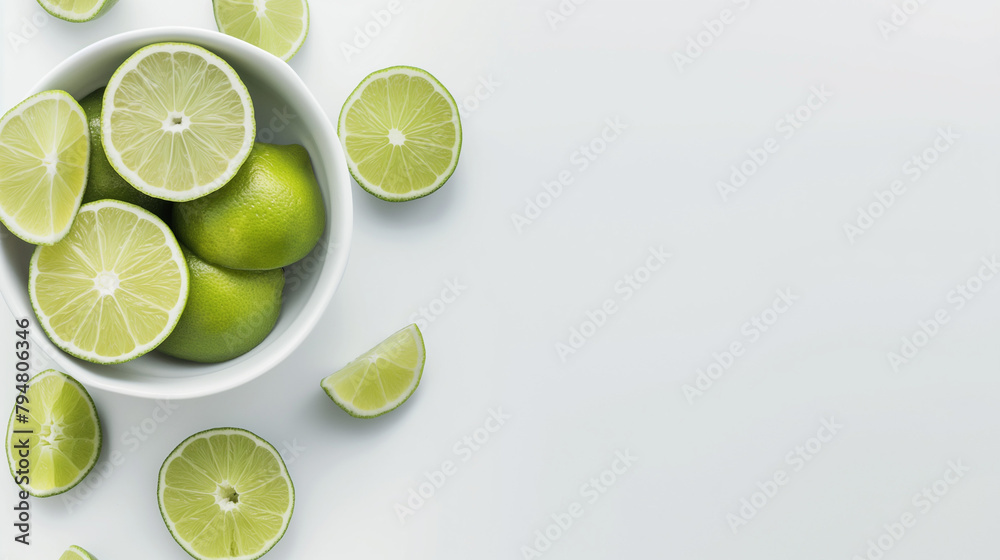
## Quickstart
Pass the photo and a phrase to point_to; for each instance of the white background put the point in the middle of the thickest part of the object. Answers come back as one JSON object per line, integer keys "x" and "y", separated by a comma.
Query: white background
{"x": 655, "y": 186}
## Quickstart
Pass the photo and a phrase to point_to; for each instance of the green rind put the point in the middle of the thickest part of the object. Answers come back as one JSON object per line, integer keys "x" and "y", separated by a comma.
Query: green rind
{"x": 420, "y": 374}
{"x": 162, "y": 472}
{"x": 79, "y": 552}
{"x": 45, "y": 327}
{"x": 86, "y": 164}
{"x": 100, "y": 437}
{"x": 218, "y": 25}
{"x": 378, "y": 193}
{"x": 106, "y": 120}
{"x": 107, "y": 5}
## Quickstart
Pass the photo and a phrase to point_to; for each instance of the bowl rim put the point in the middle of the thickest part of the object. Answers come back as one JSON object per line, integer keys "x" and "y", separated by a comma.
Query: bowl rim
{"x": 331, "y": 272}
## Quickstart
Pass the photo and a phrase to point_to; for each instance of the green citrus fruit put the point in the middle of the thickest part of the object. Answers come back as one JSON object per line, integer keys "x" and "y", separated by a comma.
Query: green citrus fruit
{"x": 228, "y": 312}
{"x": 277, "y": 26}
{"x": 44, "y": 154}
{"x": 103, "y": 181}
{"x": 225, "y": 494}
{"x": 77, "y": 11}
{"x": 76, "y": 553}
{"x": 269, "y": 215}
{"x": 63, "y": 439}
{"x": 382, "y": 378}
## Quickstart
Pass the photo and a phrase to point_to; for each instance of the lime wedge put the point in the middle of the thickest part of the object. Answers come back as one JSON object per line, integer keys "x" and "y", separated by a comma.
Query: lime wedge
{"x": 44, "y": 155}
{"x": 401, "y": 132}
{"x": 225, "y": 493}
{"x": 77, "y": 11}
{"x": 381, "y": 379}
{"x": 63, "y": 439}
{"x": 76, "y": 553}
{"x": 114, "y": 288}
{"x": 277, "y": 26}
{"x": 177, "y": 121}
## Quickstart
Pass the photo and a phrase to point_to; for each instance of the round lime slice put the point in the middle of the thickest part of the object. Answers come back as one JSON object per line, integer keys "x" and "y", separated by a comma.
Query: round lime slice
{"x": 401, "y": 133}
{"x": 277, "y": 26}
{"x": 44, "y": 157}
{"x": 225, "y": 493}
{"x": 76, "y": 553}
{"x": 177, "y": 121}
{"x": 77, "y": 11}
{"x": 53, "y": 436}
{"x": 114, "y": 288}
{"x": 382, "y": 378}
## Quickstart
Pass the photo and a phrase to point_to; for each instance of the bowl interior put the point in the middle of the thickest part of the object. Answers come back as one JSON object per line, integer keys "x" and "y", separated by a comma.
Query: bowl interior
{"x": 286, "y": 113}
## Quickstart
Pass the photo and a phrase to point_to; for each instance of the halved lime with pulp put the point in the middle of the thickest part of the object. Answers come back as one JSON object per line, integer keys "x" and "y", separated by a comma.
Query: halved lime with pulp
{"x": 76, "y": 553}
{"x": 277, "y": 26}
{"x": 77, "y": 11}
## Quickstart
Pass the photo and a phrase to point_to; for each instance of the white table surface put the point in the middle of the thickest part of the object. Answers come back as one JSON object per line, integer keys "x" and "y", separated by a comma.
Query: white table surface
{"x": 826, "y": 358}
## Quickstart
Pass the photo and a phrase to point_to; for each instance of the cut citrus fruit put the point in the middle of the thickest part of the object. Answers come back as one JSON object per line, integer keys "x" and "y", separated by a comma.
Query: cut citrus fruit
{"x": 225, "y": 493}
{"x": 55, "y": 443}
{"x": 114, "y": 288}
{"x": 401, "y": 133}
{"x": 381, "y": 379}
{"x": 76, "y": 553}
{"x": 277, "y": 26}
{"x": 77, "y": 11}
{"x": 177, "y": 121}
{"x": 44, "y": 155}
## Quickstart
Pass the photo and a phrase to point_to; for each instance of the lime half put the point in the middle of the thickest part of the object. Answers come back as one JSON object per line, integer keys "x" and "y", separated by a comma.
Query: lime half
{"x": 177, "y": 121}
{"x": 44, "y": 156}
{"x": 225, "y": 493}
{"x": 401, "y": 132}
{"x": 77, "y": 11}
{"x": 277, "y": 26}
{"x": 382, "y": 378}
{"x": 114, "y": 288}
{"x": 76, "y": 553}
{"x": 54, "y": 444}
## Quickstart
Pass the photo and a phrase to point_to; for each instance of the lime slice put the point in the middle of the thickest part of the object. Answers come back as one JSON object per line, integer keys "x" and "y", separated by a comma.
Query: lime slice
{"x": 76, "y": 553}
{"x": 382, "y": 378}
{"x": 44, "y": 155}
{"x": 77, "y": 11}
{"x": 402, "y": 134}
{"x": 60, "y": 434}
{"x": 225, "y": 493}
{"x": 277, "y": 26}
{"x": 177, "y": 121}
{"x": 114, "y": 288}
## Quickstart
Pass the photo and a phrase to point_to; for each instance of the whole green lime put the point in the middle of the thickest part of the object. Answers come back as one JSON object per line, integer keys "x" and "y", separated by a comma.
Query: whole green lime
{"x": 103, "y": 181}
{"x": 269, "y": 215}
{"x": 228, "y": 312}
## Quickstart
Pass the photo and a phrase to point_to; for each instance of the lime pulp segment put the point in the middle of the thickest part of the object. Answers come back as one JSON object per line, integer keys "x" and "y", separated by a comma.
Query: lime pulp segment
{"x": 63, "y": 439}
{"x": 77, "y": 11}
{"x": 381, "y": 379}
{"x": 76, "y": 553}
{"x": 44, "y": 157}
{"x": 401, "y": 132}
{"x": 114, "y": 288}
{"x": 277, "y": 26}
{"x": 225, "y": 493}
{"x": 177, "y": 121}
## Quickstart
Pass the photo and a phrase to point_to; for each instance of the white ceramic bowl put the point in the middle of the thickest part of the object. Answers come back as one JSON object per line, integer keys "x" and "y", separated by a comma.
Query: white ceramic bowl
{"x": 286, "y": 112}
